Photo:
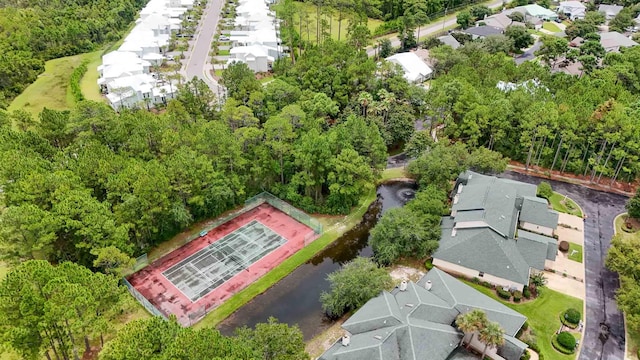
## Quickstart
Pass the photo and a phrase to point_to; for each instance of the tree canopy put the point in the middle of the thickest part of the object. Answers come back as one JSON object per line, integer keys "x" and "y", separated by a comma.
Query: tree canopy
{"x": 34, "y": 31}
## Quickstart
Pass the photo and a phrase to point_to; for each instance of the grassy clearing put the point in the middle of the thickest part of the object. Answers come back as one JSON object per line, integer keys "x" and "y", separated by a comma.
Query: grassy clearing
{"x": 223, "y": 52}
{"x": 393, "y": 173}
{"x": 549, "y": 26}
{"x": 575, "y": 252}
{"x": 50, "y": 89}
{"x": 309, "y": 33}
{"x": 543, "y": 315}
{"x": 286, "y": 267}
{"x": 565, "y": 205}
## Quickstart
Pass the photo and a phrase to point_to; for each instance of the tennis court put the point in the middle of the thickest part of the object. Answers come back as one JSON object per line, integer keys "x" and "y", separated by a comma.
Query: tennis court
{"x": 210, "y": 267}
{"x": 200, "y": 275}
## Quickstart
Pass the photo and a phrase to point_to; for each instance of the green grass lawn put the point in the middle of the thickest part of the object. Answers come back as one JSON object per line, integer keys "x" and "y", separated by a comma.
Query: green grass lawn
{"x": 551, "y": 27}
{"x": 393, "y": 173}
{"x": 50, "y": 89}
{"x": 543, "y": 315}
{"x": 632, "y": 337}
{"x": 577, "y": 255}
{"x": 565, "y": 205}
{"x": 310, "y": 32}
{"x": 223, "y": 52}
{"x": 88, "y": 84}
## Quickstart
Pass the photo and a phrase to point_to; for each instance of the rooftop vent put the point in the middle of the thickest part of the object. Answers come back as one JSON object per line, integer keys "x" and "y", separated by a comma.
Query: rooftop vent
{"x": 346, "y": 340}
{"x": 428, "y": 285}
{"x": 408, "y": 305}
{"x": 453, "y": 232}
{"x": 403, "y": 285}
{"x": 378, "y": 337}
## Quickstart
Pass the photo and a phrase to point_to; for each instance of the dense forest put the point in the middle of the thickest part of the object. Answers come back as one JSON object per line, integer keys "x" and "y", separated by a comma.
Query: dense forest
{"x": 79, "y": 182}
{"x": 34, "y": 31}
{"x": 584, "y": 125}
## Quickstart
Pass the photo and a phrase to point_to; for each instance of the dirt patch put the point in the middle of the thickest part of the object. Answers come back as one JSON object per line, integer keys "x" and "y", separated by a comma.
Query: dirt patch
{"x": 319, "y": 344}
{"x": 399, "y": 273}
{"x": 630, "y": 225}
{"x": 605, "y": 184}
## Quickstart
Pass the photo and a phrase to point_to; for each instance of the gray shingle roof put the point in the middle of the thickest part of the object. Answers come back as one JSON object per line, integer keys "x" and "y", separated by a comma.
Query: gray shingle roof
{"x": 483, "y": 30}
{"x": 426, "y": 328}
{"x": 449, "y": 40}
{"x": 480, "y": 234}
{"x": 465, "y": 298}
{"x": 536, "y": 210}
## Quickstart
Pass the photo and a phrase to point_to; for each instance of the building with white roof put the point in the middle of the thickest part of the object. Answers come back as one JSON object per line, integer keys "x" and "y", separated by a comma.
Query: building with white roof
{"x": 125, "y": 74}
{"x": 573, "y": 9}
{"x": 254, "y": 40}
{"x": 415, "y": 69}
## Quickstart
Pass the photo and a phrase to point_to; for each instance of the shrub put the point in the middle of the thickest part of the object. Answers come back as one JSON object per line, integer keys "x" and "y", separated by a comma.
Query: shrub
{"x": 487, "y": 284}
{"x": 572, "y": 316}
{"x": 74, "y": 81}
{"x": 517, "y": 296}
{"x": 503, "y": 293}
{"x": 563, "y": 246}
{"x": 566, "y": 340}
{"x": 526, "y": 293}
{"x": 545, "y": 190}
{"x": 428, "y": 264}
{"x": 475, "y": 280}
{"x": 526, "y": 355}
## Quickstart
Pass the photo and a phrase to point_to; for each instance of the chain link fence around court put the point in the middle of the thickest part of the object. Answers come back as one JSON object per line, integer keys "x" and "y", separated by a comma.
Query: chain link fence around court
{"x": 142, "y": 300}
{"x": 286, "y": 208}
{"x": 265, "y": 197}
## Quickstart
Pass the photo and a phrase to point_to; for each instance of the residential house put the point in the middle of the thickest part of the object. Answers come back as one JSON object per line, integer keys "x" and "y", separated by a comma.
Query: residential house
{"x": 500, "y": 21}
{"x": 254, "y": 56}
{"x": 610, "y": 11}
{"x": 572, "y": 9}
{"x": 612, "y": 41}
{"x": 126, "y": 75}
{"x": 480, "y": 32}
{"x": 498, "y": 231}
{"x": 255, "y": 40}
{"x": 415, "y": 69}
{"x": 449, "y": 40}
{"x": 417, "y": 321}
{"x": 533, "y": 11}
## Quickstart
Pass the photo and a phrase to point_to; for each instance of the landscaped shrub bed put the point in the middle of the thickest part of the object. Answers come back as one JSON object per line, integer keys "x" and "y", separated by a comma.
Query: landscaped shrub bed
{"x": 571, "y": 318}
{"x": 517, "y": 296}
{"x": 564, "y": 342}
{"x": 503, "y": 293}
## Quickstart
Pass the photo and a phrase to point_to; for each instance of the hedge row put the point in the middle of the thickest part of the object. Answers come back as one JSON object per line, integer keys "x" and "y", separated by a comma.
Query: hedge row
{"x": 74, "y": 81}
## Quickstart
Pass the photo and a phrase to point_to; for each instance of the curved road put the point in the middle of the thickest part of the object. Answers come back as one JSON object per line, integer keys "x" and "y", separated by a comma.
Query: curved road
{"x": 197, "y": 62}
{"x": 601, "y": 208}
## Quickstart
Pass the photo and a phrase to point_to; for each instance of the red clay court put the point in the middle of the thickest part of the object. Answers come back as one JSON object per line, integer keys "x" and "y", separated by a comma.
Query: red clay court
{"x": 197, "y": 277}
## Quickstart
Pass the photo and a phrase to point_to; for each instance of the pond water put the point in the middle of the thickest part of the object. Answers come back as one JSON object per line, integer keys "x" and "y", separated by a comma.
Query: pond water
{"x": 296, "y": 298}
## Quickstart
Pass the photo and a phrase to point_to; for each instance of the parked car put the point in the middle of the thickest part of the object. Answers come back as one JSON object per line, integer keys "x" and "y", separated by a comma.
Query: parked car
{"x": 224, "y": 38}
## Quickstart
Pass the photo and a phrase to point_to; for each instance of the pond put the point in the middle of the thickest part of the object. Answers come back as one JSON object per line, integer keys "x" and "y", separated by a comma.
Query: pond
{"x": 296, "y": 298}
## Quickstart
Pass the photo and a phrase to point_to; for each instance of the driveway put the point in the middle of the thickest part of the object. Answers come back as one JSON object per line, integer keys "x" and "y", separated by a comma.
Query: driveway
{"x": 602, "y": 314}
{"x": 197, "y": 59}
{"x": 529, "y": 54}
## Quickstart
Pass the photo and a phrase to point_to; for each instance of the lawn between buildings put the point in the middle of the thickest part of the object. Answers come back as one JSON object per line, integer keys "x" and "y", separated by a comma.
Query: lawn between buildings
{"x": 543, "y": 316}
{"x": 633, "y": 338}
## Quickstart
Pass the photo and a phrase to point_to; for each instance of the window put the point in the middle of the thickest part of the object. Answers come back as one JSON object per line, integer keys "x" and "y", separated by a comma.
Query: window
{"x": 481, "y": 274}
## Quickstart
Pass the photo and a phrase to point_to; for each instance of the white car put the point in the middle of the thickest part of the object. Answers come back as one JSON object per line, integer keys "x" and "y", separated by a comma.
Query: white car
{"x": 223, "y": 38}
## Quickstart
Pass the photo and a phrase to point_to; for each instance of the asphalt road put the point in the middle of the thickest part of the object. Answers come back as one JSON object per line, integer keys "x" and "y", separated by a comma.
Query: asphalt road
{"x": 434, "y": 28}
{"x": 197, "y": 59}
{"x": 601, "y": 208}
